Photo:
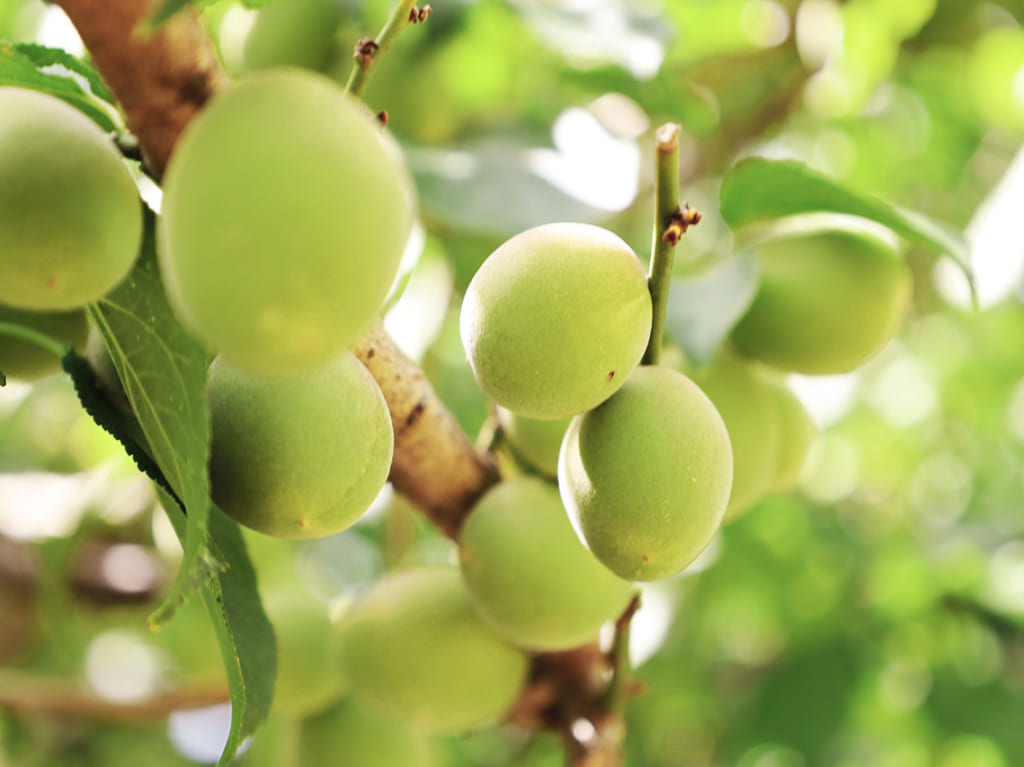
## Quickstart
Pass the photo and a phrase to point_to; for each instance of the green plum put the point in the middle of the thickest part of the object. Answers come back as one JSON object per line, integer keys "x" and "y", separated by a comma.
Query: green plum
{"x": 298, "y": 33}
{"x": 285, "y": 214}
{"x": 535, "y": 440}
{"x": 647, "y": 475}
{"x": 798, "y": 433}
{"x": 555, "y": 319}
{"x": 528, "y": 572}
{"x": 70, "y": 216}
{"x": 298, "y": 456}
{"x": 26, "y": 361}
{"x": 307, "y": 682}
{"x": 354, "y": 735}
{"x": 829, "y": 299}
{"x": 414, "y": 646}
{"x": 107, "y": 379}
{"x": 748, "y": 404}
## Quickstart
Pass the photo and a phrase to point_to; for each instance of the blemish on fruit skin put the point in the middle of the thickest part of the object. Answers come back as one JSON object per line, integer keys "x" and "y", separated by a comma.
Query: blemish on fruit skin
{"x": 610, "y": 376}
{"x": 646, "y": 559}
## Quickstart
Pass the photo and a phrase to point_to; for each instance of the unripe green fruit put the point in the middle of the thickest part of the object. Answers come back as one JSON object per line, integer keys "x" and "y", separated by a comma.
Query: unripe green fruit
{"x": 555, "y": 319}
{"x": 293, "y": 33}
{"x": 798, "y": 432}
{"x": 528, "y": 572}
{"x": 26, "y": 361}
{"x": 306, "y": 681}
{"x": 748, "y": 404}
{"x": 414, "y": 647}
{"x": 107, "y": 378}
{"x": 353, "y": 735}
{"x": 285, "y": 214}
{"x": 536, "y": 440}
{"x": 829, "y": 299}
{"x": 70, "y": 217}
{"x": 298, "y": 456}
{"x": 647, "y": 475}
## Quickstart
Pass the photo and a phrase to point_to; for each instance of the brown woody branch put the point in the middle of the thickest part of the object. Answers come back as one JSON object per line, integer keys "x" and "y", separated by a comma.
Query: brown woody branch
{"x": 27, "y": 695}
{"x": 161, "y": 79}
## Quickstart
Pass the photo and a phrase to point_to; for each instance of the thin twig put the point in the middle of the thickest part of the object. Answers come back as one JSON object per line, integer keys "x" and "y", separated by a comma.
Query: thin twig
{"x": 369, "y": 51}
{"x": 670, "y": 223}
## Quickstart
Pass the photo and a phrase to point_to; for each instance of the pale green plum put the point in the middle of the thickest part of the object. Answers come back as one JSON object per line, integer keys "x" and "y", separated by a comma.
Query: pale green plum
{"x": 647, "y": 475}
{"x": 307, "y": 681}
{"x": 748, "y": 404}
{"x": 829, "y": 299}
{"x": 297, "y": 33}
{"x": 528, "y": 572}
{"x": 535, "y": 440}
{"x": 351, "y": 734}
{"x": 798, "y": 433}
{"x": 555, "y": 319}
{"x": 26, "y": 361}
{"x": 285, "y": 214}
{"x": 414, "y": 646}
{"x": 70, "y": 216}
{"x": 298, "y": 456}
{"x": 107, "y": 379}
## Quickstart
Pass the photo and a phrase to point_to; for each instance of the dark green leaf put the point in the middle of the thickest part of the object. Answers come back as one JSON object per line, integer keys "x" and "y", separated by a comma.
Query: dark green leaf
{"x": 163, "y": 372}
{"x": 703, "y": 308}
{"x": 759, "y": 189}
{"x": 243, "y": 630}
{"x": 21, "y": 66}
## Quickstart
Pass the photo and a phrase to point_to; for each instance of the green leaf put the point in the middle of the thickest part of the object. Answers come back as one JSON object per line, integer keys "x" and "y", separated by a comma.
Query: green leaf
{"x": 703, "y": 308}
{"x": 23, "y": 66}
{"x": 230, "y": 595}
{"x": 163, "y": 372}
{"x": 758, "y": 189}
{"x": 42, "y": 57}
{"x": 171, "y": 7}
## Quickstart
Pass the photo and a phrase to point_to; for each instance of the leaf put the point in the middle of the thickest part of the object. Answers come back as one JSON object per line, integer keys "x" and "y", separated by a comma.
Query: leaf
{"x": 171, "y": 7}
{"x": 703, "y": 308}
{"x": 759, "y": 189}
{"x": 243, "y": 630}
{"x": 230, "y": 595}
{"x": 163, "y": 372}
{"x": 42, "y": 57}
{"x": 22, "y": 66}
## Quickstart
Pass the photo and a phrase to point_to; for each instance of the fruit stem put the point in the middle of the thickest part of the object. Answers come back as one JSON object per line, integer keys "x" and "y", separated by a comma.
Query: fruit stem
{"x": 368, "y": 51}
{"x": 619, "y": 686}
{"x": 670, "y": 223}
{"x": 32, "y": 336}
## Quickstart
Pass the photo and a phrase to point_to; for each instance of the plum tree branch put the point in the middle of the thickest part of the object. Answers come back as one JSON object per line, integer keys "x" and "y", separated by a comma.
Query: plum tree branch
{"x": 369, "y": 51}
{"x": 29, "y": 695}
{"x": 161, "y": 79}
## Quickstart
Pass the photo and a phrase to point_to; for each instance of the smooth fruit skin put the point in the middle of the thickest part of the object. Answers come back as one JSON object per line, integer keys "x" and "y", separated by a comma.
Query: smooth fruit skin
{"x": 414, "y": 647}
{"x": 646, "y": 476}
{"x": 298, "y": 456}
{"x": 353, "y": 735}
{"x": 298, "y": 33}
{"x": 27, "y": 361}
{"x": 528, "y": 572}
{"x": 537, "y": 441}
{"x": 306, "y": 680}
{"x": 748, "y": 404}
{"x": 555, "y": 319}
{"x": 70, "y": 216}
{"x": 828, "y": 301}
{"x": 798, "y": 433}
{"x": 285, "y": 214}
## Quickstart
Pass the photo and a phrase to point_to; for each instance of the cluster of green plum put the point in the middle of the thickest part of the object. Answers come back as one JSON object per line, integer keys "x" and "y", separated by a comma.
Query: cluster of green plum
{"x": 650, "y": 462}
{"x": 277, "y": 249}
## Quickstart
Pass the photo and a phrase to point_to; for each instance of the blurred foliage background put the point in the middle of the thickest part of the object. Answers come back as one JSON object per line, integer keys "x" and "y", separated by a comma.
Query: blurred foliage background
{"x": 875, "y": 617}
